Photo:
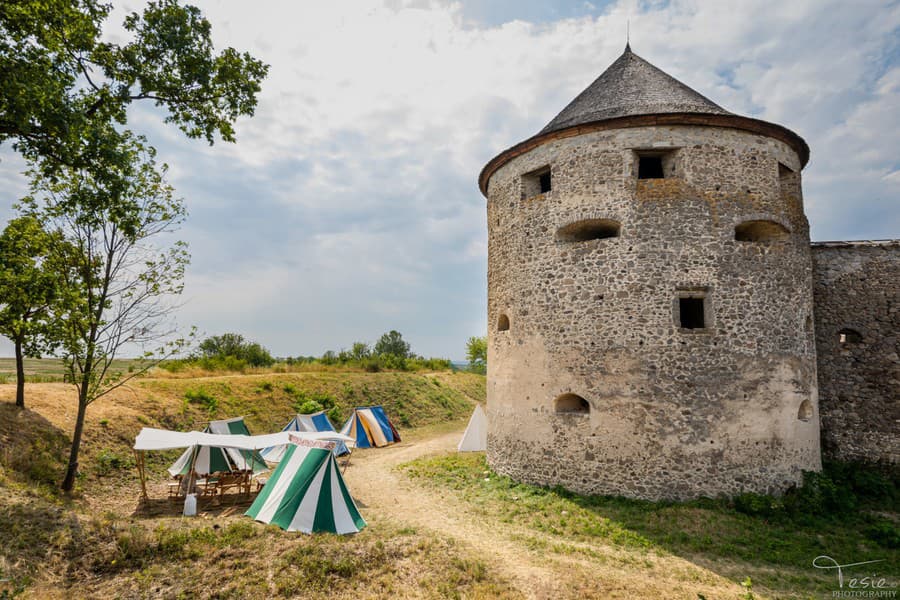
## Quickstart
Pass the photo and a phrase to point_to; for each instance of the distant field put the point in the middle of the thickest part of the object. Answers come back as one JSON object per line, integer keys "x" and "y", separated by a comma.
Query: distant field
{"x": 43, "y": 370}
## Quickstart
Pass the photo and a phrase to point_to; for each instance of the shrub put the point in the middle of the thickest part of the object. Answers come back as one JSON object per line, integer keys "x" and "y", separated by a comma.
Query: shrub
{"x": 335, "y": 416}
{"x": 371, "y": 364}
{"x": 885, "y": 534}
{"x": 233, "y": 345}
{"x": 201, "y": 396}
{"x": 757, "y": 504}
{"x": 109, "y": 462}
{"x": 308, "y": 407}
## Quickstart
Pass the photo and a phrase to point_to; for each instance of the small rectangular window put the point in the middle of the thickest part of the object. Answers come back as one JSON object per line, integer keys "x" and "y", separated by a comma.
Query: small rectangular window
{"x": 650, "y": 167}
{"x": 537, "y": 182}
{"x": 690, "y": 313}
{"x": 545, "y": 182}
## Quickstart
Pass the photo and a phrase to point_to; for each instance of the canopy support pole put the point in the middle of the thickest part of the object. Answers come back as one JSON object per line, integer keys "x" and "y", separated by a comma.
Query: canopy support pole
{"x": 139, "y": 461}
{"x": 192, "y": 475}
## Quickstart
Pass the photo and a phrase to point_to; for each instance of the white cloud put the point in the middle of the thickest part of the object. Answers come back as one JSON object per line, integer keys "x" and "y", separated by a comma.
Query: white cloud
{"x": 349, "y": 205}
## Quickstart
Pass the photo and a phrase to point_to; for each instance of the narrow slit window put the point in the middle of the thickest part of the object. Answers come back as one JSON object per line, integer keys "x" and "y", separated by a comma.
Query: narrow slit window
{"x": 571, "y": 404}
{"x": 691, "y": 313}
{"x": 503, "y": 323}
{"x": 650, "y": 167}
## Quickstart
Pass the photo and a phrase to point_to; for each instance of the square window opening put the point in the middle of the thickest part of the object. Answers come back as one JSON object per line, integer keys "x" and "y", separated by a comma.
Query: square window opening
{"x": 537, "y": 182}
{"x": 650, "y": 167}
{"x": 691, "y": 313}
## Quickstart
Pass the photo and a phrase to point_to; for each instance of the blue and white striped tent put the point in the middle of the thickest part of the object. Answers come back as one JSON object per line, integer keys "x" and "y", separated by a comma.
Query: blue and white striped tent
{"x": 314, "y": 422}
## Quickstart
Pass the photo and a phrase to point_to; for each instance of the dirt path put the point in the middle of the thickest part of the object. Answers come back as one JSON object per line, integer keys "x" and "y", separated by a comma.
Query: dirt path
{"x": 385, "y": 493}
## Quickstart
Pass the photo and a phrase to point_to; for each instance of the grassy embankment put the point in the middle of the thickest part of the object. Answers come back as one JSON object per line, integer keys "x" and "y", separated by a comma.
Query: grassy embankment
{"x": 96, "y": 544}
{"x": 770, "y": 551}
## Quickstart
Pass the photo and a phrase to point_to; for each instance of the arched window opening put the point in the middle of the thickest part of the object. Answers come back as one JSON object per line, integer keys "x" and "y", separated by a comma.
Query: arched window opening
{"x": 589, "y": 229}
{"x": 571, "y": 404}
{"x": 849, "y": 336}
{"x": 806, "y": 411}
{"x": 760, "y": 231}
{"x": 503, "y": 323}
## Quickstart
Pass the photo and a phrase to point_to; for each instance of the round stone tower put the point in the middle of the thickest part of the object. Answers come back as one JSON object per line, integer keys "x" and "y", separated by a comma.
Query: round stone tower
{"x": 649, "y": 297}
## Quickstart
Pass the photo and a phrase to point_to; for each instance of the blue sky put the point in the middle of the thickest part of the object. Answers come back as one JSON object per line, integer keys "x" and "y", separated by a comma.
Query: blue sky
{"x": 349, "y": 205}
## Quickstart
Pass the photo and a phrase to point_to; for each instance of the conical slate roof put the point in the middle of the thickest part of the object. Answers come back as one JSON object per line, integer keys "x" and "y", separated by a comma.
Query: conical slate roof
{"x": 634, "y": 93}
{"x": 632, "y": 86}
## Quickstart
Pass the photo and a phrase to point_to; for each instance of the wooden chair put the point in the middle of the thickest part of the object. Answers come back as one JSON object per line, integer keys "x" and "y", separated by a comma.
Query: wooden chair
{"x": 175, "y": 491}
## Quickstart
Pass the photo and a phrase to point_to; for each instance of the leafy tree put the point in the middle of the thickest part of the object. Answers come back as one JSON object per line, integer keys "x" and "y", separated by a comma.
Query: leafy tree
{"x": 360, "y": 351}
{"x": 476, "y": 353}
{"x": 126, "y": 282}
{"x": 392, "y": 343}
{"x": 234, "y": 345}
{"x": 30, "y": 292}
{"x": 62, "y": 89}
{"x": 227, "y": 344}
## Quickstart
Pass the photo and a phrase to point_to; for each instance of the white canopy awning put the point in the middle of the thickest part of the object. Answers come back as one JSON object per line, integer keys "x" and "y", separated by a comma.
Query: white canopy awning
{"x": 162, "y": 439}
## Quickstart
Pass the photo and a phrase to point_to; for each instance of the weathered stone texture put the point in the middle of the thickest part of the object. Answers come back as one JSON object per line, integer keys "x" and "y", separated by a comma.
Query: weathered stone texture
{"x": 674, "y": 413}
{"x": 857, "y": 290}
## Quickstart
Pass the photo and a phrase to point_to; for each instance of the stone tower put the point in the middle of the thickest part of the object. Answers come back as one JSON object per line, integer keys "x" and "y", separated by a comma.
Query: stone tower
{"x": 650, "y": 320}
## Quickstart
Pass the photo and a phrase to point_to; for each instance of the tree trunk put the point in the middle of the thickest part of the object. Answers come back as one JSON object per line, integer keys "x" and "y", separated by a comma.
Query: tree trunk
{"x": 20, "y": 375}
{"x": 72, "y": 470}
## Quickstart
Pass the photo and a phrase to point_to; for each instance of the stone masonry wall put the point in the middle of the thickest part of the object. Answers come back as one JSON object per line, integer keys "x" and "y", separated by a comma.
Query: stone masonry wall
{"x": 857, "y": 291}
{"x": 673, "y": 412}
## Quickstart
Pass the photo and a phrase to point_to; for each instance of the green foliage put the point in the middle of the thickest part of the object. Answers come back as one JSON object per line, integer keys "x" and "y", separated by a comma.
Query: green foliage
{"x": 307, "y": 403}
{"x": 392, "y": 344}
{"x": 65, "y": 91}
{"x": 308, "y": 407}
{"x": 266, "y": 386}
{"x": 335, "y": 415}
{"x": 360, "y": 351}
{"x": 476, "y": 354}
{"x": 234, "y": 346}
{"x": 202, "y": 397}
{"x": 840, "y": 489}
{"x": 33, "y": 291}
{"x": 108, "y": 462}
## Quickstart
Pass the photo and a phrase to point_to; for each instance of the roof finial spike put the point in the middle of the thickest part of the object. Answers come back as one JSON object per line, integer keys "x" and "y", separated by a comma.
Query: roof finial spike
{"x": 628, "y": 35}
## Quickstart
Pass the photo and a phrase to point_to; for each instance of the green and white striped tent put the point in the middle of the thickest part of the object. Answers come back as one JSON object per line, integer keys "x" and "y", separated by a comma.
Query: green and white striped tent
{"x": 211, "y": 459}
{"x": 307, "y": 493}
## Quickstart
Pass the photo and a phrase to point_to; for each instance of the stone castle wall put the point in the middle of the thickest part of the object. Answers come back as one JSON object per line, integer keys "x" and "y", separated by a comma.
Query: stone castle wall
{"x": 857, "y": 314}
{"x": 673, "y": 412}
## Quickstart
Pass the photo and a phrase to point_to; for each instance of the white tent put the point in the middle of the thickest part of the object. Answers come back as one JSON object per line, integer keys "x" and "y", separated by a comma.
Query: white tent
{"x": 475, "y": 437}
{"x": 312, "y": 422}
{"x": 162, "y": 439}
{"x": 208, "y": 459}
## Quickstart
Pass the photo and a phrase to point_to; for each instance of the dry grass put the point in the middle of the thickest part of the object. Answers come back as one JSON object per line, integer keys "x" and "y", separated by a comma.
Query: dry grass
{"x": 444, "y": 527}
{"x": 100, "y": 543}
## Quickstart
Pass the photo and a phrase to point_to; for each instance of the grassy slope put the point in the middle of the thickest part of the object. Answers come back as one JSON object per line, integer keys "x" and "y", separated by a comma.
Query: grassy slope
{"x": 775, "y": 554}
{"x": 95, "y": 545}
